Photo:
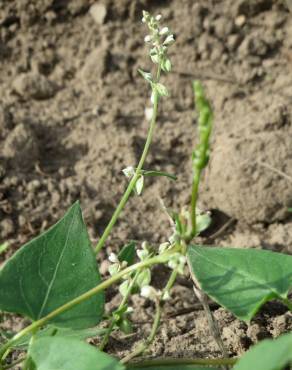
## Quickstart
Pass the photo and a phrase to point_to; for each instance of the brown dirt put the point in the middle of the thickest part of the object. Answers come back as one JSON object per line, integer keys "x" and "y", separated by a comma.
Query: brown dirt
{"x": 72, "y": 117}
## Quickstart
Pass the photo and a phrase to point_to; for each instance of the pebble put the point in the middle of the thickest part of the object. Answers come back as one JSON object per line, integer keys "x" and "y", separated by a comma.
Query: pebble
{"x": 240, "y": 20}
{"x": 98, "y": 12}
{"x": 6, "y": 227}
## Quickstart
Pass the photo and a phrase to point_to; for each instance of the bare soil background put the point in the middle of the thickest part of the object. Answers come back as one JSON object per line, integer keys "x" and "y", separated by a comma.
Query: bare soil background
{"x": 72, "y": 117}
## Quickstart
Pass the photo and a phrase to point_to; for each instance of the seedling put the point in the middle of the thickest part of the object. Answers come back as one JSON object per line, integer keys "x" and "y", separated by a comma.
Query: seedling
{"x": 54, "y": 280}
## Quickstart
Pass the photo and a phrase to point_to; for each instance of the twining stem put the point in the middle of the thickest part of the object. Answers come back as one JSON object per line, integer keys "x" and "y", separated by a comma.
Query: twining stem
{"x": 182, "y": 361}
{"x": 121, "y": 305}
{"x": 134, "y": 179}
{"x": 157, "y": 318}
{"x": 100, "y": 287}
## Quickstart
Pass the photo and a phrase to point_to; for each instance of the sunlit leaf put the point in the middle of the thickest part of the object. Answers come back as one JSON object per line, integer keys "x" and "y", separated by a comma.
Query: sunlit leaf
{"x": 51, "y": 270}
{"x": 241, "y": 280}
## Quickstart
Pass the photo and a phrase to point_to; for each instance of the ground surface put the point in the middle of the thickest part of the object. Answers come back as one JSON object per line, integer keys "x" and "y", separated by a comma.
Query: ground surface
{"x": 72, "y": 117}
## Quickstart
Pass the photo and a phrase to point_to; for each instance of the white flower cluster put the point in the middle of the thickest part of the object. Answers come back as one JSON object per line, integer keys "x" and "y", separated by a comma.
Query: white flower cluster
{"x": 117, "y": 265}
{"x": 160, "y": 39}
{"x": 129, "y": 172}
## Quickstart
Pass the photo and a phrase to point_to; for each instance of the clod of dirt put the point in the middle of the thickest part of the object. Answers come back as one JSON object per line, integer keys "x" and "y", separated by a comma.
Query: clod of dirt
{"x": 98, "y": 12}
{"x": 33, "y": 85}
{"x": 21, "y": 146}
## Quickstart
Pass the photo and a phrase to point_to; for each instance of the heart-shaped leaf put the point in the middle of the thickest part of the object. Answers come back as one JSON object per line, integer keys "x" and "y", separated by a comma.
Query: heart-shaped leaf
{"x": 51, "y": 270}
{"x": 268, "y": 355}
{"x": 58, "y": 353}
{"x": 241, "y": 279}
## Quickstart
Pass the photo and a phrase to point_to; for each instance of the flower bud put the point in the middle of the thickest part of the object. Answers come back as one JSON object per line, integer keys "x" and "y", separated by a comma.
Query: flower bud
{"x": 148, "y": 291}
{"x": 113, "y": 258}
{"x": 169, "y": 40}
{"x": 164, "y": 31}
{"x": 147, "y": 38}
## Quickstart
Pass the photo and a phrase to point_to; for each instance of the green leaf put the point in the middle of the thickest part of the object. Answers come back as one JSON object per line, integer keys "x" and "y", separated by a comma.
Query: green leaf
{"x": 51, "y": 270}
{"x": 158, "y": 173}
{"x": 174, "y": 367}
{"x": 268, "y": 355}
{"x": 58, "y": 353}
{"x": 139, "y": 185}
{"x": 241, "y": 279}
{"x": 166, "y": 65}
{"x": 161, "y": 89}
{"x": 146, "y": 75}
{"x": 203, "y": 221}
{"x": 52, "y": 330}
{"x": 128, "y": 253}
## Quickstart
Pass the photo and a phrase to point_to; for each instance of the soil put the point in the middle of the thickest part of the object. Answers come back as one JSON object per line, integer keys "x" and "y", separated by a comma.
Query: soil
{"x": 72, "y": 116}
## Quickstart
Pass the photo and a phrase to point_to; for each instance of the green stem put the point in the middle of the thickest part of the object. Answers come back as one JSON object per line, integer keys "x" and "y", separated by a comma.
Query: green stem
{"x": 100, "y": 287}
{"x": 195, "y": 191}
{"x": 121, "y": 305}
{"x": 183, "y": 361}
{"x": 134, "y": 179}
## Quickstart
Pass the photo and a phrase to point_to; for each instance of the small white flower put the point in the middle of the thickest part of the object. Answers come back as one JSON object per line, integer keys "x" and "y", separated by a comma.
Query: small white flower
{"x": 177, "y": 262}
{"x": 113, "y": 269}
{"x": 148, "y": 112}
{"x": 148, "y": 291}
{"x": 166, "y": 296}
{"x": 142, "y": 254}
{"x": 147, "y": 38}
{"x": 169, "y": 40}
{"x": 113, "y": 258}
{"x": 130, "y": 309}
{"x": 143, "y": 20}
{"x": 124, "y": 264}
{"x": 164, "y": 31}
{"x": 158, "y": 17}
{"x": 129, "y": 171}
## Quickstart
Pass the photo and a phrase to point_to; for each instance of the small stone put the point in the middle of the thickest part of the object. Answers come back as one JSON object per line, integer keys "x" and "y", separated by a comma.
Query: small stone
{"x": 21, "y": 220}
{"x": 240, "y": 20}
{"x": 98, "y": 13}
{"x": 33, "y": 85}
{"x": 6, "y": 227}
